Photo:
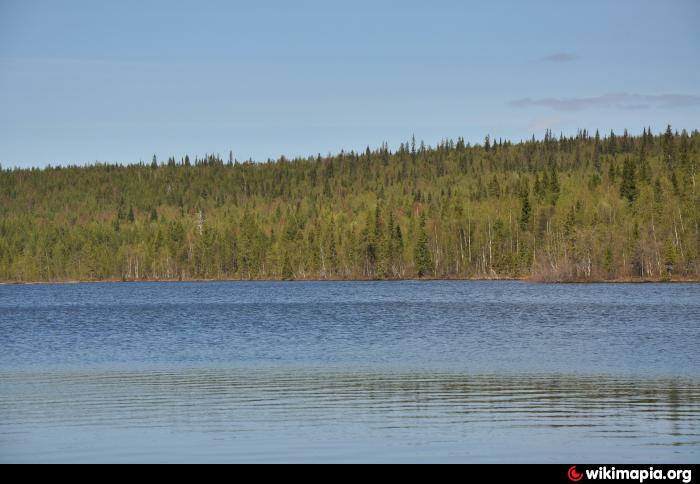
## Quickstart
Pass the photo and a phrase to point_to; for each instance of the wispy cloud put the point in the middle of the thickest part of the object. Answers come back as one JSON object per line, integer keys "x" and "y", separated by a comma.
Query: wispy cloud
{"x": 559, "y": 57}
{"x": 621, "y": 100}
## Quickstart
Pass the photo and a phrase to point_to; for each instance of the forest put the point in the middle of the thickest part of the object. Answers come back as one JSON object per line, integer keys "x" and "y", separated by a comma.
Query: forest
{"x": 589, "y": 207}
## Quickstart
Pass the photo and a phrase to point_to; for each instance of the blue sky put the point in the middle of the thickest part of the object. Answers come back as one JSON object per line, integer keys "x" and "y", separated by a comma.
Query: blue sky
{"x": 82, "y": 81}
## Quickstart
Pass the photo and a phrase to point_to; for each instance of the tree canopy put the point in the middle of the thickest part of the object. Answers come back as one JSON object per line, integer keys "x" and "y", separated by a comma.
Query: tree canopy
{"x": 561, "y": 208}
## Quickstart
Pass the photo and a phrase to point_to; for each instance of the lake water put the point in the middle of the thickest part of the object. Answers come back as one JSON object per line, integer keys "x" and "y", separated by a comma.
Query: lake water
{"x": 346, "y": 372}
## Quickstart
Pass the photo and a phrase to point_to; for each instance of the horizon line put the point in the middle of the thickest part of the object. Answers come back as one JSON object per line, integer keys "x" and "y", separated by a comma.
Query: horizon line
{"x": 471, "y": 144}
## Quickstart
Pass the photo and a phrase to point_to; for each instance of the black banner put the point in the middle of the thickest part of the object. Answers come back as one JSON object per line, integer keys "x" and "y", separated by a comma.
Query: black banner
{"x": 582, "y": 473}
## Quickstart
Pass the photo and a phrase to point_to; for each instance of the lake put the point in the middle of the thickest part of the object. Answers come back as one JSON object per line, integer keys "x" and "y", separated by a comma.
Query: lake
{"x": 350, "y": 372}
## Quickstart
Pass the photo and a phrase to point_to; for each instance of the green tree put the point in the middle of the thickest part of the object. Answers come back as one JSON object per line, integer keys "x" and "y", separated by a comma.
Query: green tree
{"x": 525, "y": 211}
{"x": 670, "y": 259}
{"x": 75, "y": 223}
{"x": 421, "y": 256}
{"x": 287, "y": 271}
{"x": 628, "y": 186}
{"x": 668, "y": 147}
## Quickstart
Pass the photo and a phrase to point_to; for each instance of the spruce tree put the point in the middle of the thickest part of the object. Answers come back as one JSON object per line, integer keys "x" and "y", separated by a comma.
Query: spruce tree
{"x": 670, "y": 258}
{"x": 287, "y": 272}
{"x": 668, "y": 147}
{"x": 554, "y": 184}
{"x": 421, "y": 255}
{"x": 596, "y": 153}
{"x": 525, "y": 211}
{"x": 628, "y": 186}
{"x": 643, "y": 164}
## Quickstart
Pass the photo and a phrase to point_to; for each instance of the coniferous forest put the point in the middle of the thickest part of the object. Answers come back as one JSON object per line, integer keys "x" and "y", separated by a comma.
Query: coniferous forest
{"x": 584, "y": 208}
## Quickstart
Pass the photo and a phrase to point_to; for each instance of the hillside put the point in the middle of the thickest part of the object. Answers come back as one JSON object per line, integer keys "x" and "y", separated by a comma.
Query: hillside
{"x": 617, "y": 207}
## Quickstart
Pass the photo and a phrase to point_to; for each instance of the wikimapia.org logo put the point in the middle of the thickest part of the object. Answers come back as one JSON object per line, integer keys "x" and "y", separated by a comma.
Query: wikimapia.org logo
{"x": 630, "y": 474}
{"x": 574, "y": 475}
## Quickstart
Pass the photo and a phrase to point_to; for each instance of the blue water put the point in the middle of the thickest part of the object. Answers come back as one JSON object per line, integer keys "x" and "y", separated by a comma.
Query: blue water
{"x": 335, "y": 372}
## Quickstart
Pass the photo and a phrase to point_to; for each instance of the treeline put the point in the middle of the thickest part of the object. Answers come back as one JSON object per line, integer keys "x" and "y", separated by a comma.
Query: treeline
{"x": 562, "y": 208}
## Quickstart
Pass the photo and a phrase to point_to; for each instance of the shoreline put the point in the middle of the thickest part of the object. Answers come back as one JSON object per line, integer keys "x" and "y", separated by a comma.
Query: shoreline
{"x": 424, "y": 279}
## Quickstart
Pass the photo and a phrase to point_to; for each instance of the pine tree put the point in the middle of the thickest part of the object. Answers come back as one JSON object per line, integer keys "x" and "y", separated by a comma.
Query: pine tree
{"x": 684, "y": 148}
{"x": 287, "y": 271}
{"x": 413, "y": 148}
{"x": 670, "y": 258}
{"x": 570, "y": 231}
{"x": 643, "y": 164}
{"x": 554, "y": 184}
{"x": 658, "y": 192}
{"x": 421, "y": 255}
{"x": 332, "y": 249}
{"x": 612, "y": 143}
{"x": 628, "y": 186}
{"x": 540, "y": 188}
{"x": 398, "y": 248}
{"x": 525, "y": 211}
{"x": 668, "y": 147}
{"x": 609, "y": 262}
{"x": 596, "y": 154}
{"x": 389, "y": 247}
{"x": 674, "y": 183}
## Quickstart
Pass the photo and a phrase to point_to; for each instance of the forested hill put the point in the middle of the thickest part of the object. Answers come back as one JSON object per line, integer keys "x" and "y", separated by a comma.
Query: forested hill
{"x": 566, "y": 208}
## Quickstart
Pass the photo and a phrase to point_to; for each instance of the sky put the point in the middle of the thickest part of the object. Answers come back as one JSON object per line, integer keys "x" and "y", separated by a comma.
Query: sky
{"x": 117, "y": 82}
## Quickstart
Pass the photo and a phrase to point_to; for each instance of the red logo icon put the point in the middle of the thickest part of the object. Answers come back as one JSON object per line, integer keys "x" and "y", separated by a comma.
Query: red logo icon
{"x": 574, "y": 475}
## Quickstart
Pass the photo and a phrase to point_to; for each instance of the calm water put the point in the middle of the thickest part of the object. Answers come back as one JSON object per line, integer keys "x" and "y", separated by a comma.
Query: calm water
{"x": 409, "y": 371}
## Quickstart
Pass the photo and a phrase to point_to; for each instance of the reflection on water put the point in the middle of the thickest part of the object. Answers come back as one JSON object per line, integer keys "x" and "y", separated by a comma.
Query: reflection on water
{"x": 320, "y": 415}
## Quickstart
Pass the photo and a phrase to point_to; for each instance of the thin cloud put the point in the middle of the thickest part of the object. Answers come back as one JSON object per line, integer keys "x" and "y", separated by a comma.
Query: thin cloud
{"x": 621, "y": 100}
{"x": 559, "y": 57}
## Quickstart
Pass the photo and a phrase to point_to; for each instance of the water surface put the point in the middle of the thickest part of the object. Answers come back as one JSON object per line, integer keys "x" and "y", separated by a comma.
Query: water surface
{"x": 407, "y": 371}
